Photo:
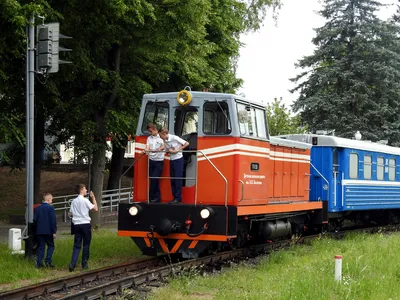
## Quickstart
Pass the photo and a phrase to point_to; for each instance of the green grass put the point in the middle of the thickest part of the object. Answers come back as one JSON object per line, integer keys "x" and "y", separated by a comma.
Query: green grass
{"x": 371, "y": 270}
{"x": 106, "y": 249}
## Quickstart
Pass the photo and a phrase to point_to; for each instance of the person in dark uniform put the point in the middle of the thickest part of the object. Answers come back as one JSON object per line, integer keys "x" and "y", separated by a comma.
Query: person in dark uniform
{"x": 174, "y": 145}
{"x": 46, "y": 230}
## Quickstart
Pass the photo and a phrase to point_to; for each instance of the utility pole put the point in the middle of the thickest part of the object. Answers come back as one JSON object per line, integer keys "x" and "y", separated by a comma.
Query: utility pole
{"x": 30, "y": 114}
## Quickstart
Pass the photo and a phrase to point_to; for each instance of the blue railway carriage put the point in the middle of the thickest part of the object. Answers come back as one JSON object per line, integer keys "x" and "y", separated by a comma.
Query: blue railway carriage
{"x": 360, "y": 180}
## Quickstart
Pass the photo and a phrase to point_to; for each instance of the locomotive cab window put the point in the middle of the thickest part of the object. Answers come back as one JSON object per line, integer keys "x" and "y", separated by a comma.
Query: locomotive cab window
{"x": 156, "y": 113}
{"x": 252, "y": 121}
{"x": 190, "y": 123}
{"x": 367, "y": 166}
{"x": 216, "y": 119}
{"x": 353, "y": 165}
{"x": 392, "y": 169}
{"x": 186, "y": 122}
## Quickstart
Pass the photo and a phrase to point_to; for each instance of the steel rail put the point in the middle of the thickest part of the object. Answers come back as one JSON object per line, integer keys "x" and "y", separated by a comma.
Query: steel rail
{"x": 89, "y": 285}
{"x": 65, "y": 283}
{"x": 136, "y": 280}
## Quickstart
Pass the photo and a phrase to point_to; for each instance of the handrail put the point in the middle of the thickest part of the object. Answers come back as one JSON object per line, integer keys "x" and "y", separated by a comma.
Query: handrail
{"x": 195, "y": 178}
{"x": 63, "y": 203}
{"x": 126, "y": 171}
{"x": 219, "y": 172}
{"x": 327, "y": 182}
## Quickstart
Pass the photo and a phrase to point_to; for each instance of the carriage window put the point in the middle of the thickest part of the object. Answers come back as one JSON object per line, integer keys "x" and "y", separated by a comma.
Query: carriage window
{"x": 392, "y": 169}
{"x": 335, "y": 160}
{"x": 252, "y": 121}
{"x": 379, "y": 168}
{"x": 367, "y": 166}
{"x": 353, "y": 165}
{"x": 157, "y": 113}
{"x": 216, "y": 118}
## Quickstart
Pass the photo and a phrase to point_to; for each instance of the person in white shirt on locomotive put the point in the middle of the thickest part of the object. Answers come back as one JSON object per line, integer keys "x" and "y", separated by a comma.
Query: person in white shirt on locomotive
{"x": 174, "y": 145}
{"x": 156, "y": 161}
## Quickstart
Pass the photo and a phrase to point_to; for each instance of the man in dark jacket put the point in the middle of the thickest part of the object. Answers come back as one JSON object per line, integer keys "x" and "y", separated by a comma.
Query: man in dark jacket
{"x": 46, "y": 229}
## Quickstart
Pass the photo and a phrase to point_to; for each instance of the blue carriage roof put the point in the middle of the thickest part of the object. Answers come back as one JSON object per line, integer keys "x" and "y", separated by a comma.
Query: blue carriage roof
{"x": 334, "y": 141}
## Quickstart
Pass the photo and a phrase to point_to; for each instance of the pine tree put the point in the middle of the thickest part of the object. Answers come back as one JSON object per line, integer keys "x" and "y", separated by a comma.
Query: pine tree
{"x": 352, "y": 80}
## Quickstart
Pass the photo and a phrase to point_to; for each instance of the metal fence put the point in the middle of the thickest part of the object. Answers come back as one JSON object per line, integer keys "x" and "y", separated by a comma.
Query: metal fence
{"x": 109, "y": 201}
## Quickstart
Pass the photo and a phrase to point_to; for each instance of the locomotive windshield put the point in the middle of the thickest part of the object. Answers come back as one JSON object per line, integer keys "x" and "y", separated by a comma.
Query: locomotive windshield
{"x": 156, "y": 113}
{"x": 216, "y": 118}
{"x": 252, "y": 121}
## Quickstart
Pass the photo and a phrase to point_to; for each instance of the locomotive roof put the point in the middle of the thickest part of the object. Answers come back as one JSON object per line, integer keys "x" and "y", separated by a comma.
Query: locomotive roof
{"x": 334, "y": 141}
{"x": 199, "y": 96}
{"x": 288, "y": 143}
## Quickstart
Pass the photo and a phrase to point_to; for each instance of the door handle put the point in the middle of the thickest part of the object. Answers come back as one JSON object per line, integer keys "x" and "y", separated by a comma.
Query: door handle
{"x": 242, "y": 190}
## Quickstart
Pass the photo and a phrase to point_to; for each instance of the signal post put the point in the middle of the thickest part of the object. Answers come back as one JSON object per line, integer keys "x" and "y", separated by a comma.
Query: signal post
{"x": 47, "y": 61}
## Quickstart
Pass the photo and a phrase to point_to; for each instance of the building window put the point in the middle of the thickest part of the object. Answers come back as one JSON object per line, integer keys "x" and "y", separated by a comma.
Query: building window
{"x": 353, "y": 165}
{"x": 367, "y": 166}
{"x": 392, "y": 169}
{"x": 379, "y": 168}
{"x": 130, "y": 149}
{"x": 252, "y": 121}
{"x": 216, "y": 118}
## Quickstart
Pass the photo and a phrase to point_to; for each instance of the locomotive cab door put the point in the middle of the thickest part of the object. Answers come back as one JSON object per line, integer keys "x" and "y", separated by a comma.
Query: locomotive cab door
{"x": 186, "y": 126}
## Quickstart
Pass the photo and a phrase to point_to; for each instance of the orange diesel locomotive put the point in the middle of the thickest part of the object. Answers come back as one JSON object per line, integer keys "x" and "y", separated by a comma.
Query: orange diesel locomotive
{"x": 240, "y": 185}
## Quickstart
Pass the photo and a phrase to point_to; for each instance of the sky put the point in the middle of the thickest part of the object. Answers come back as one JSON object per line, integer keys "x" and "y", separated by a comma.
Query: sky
{"x": 267, "y": 60}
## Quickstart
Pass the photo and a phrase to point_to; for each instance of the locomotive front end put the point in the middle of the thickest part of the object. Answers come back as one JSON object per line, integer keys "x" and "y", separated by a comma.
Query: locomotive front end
{"x": 184, "y": 229}
{"x": 203, "y": 216}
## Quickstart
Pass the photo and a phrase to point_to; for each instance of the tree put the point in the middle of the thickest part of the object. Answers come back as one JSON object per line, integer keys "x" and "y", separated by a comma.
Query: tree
{"x": 280, "y": 120}
{"x": 12, "y": 36}
{"x": 124, "y": 49}
{"x": 13, "y": 20}
{"x": 352, "y": 80}
{"x": 226, "y": 21}
{"x": 121, "y": 49}
{"x": 126, "y": 124}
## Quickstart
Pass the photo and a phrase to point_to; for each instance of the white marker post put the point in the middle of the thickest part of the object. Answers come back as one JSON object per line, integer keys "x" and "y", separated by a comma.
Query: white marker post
{"x": 338, "y": 267}
{"x": 14, "y": 241}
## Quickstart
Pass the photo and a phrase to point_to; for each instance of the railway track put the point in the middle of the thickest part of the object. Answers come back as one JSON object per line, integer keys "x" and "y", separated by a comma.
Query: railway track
{"x": 105, "y": 282}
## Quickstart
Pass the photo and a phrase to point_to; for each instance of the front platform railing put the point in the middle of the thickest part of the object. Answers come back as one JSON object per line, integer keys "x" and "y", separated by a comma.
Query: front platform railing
{"x": 195, "y": 178}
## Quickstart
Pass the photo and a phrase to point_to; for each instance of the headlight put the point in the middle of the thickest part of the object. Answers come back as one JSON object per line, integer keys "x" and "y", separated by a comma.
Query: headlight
{"x": 184, "y": 97}
{"x": 205, "y": 213}
{"x": 134, "y": 210}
